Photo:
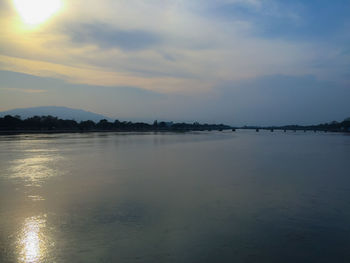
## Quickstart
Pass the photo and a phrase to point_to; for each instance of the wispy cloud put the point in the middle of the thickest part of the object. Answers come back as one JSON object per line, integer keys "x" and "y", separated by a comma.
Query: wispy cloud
{"x": 178, "y": 48}
{"x": 24, "y": 90}
{"x": 101, "y": 77}
{"x": 106, "y": 36}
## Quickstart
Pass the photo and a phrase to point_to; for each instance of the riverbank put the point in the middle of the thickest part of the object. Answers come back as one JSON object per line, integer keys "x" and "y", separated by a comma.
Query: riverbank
{"x": 15, "y": 132}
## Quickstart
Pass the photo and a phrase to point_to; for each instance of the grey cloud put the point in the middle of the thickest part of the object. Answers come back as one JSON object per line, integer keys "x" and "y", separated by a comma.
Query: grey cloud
{"x": 169, "y": 57}
{"x": 269, "y": 100}
{"x": 106, "y": 36}
{"x": 281, "y": 99}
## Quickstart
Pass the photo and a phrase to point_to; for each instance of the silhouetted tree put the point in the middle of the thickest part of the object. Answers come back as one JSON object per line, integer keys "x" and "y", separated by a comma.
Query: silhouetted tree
{"x": 87, "y": 125}
{"x": 50, "y": 123}
{"x": 104, "y": 125}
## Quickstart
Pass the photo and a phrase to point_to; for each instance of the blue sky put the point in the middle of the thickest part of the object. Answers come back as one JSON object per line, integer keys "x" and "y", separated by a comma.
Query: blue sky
{"x": 233, "y": 61}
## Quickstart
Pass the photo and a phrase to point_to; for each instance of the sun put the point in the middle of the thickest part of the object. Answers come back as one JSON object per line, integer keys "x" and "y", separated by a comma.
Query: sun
{"x": 34, "y": 12}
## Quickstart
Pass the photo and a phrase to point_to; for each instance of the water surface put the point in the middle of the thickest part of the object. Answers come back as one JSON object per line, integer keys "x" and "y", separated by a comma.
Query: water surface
{"x": 193, "y": 197}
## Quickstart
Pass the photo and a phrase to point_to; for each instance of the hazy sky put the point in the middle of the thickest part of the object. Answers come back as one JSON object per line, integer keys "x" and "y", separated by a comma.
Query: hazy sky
{"x": 233, "y": 61}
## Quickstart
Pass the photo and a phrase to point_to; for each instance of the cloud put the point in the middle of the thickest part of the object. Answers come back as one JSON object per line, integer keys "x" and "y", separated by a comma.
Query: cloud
{"x": 283, "y": 99}
{"x": 293, "y": 20}
{"x": 24, "y": 90}
{"x": 107, "y": 36}
{"x": 174, "y": 43}
{"x": 265, "y": 100}
{"x": 95, "y": 76}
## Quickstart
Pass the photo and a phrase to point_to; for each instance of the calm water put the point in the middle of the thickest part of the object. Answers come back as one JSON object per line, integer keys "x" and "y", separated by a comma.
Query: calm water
{"x": 196, "y": 197}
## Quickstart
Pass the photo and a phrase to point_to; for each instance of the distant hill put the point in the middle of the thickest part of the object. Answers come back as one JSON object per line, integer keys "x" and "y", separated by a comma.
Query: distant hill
{"x": 60, "y": 112}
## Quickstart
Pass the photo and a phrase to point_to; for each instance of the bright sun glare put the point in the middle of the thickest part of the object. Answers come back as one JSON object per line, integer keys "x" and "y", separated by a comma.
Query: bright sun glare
{"x": 34, "y": 12}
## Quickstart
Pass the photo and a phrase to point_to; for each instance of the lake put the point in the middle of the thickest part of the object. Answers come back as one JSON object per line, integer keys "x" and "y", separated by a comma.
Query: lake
{"x": 165, "y": 197}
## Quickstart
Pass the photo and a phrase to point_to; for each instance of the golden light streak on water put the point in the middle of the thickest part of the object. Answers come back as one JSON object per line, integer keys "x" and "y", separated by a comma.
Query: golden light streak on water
{"x": 36, "y": 169}
{"x": 32, "y": 243}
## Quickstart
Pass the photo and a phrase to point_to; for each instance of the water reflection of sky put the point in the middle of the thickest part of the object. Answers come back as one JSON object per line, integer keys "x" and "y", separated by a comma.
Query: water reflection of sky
{"x": 254, "y": 198}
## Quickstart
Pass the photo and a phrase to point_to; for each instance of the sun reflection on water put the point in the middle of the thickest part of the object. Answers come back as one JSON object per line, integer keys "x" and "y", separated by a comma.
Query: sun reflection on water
{"x": 32, "y": 243}
{"x": 34, "y": 170}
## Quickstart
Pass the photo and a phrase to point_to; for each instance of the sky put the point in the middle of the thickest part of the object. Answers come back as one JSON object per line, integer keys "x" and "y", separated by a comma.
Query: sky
{"x": 240, "y": 62}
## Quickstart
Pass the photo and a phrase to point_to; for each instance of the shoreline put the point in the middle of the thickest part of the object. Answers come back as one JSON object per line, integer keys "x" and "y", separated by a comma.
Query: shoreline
{"x": 18, "y": 132}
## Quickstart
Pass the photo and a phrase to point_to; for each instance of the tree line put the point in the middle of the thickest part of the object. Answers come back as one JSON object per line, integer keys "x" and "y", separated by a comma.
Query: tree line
{"x": 333, "y": 126}
{"x": 51, "y": 123}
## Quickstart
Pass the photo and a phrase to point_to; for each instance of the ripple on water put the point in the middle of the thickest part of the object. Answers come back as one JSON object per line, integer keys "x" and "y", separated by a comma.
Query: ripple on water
{"x": 34, "y": 170}
{"x": 33, "y": 241}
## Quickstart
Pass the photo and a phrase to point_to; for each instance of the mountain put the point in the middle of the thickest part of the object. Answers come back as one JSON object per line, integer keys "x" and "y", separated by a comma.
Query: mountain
{"x": 60, "y": 112}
